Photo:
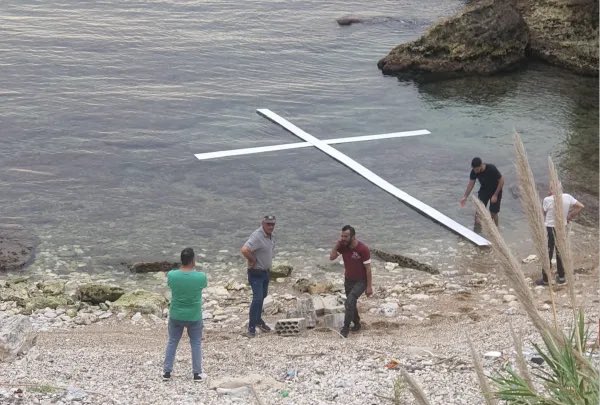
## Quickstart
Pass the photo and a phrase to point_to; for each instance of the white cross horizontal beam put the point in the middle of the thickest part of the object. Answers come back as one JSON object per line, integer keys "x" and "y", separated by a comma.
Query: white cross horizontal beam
{"x": 247, "y": 151}
{"x": 375, "y": 179}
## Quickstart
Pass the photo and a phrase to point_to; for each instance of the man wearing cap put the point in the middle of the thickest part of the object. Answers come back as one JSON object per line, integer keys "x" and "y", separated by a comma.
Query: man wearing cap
{"x": 357, "y": 274}
{"x": 258, "y": 251}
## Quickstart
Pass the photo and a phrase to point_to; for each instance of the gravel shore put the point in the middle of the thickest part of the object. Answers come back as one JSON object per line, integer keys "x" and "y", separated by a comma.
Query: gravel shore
{"x": 421, "y": 324}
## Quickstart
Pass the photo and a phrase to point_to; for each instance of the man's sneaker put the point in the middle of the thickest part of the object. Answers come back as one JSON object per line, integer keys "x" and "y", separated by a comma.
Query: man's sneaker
{"x": 166, "y": 376}
{"x": 561, "y": 281}
{"x": 250, "y": 334}
{"x": 264, "y": 327}
{"x": 344, "y": 332}
{"x": 199, "y": 377}
{"x": 355, "y": 327}
{"x": 541, "y": 282}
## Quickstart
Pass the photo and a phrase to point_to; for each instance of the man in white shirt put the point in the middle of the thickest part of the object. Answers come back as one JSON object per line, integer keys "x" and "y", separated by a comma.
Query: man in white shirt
{"x": 571, "y": 208}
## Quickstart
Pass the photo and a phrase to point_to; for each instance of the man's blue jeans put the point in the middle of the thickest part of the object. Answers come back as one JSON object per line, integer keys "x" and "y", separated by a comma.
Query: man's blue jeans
{"x": 194, "y": 330}
{"x": 259, "y": 281}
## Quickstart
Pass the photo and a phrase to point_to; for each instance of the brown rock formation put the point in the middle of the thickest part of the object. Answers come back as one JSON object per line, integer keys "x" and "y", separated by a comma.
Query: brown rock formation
{"x": 563, "y": 32}
{"x": 490, "y": 36}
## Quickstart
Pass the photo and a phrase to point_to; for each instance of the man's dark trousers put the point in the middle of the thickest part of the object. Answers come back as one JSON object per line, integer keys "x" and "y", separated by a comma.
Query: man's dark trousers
{"x": 354, "y": 289}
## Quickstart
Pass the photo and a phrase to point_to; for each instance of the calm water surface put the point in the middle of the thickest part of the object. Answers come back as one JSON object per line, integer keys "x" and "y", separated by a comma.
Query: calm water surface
{"x": 103, "y": 104}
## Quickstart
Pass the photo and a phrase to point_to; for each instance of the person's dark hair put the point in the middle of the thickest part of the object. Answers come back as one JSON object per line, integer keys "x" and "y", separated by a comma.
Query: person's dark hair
{"x": 349, "y": 228}
{"x": 476, "y": 162}
{"x": 187, "y": 256}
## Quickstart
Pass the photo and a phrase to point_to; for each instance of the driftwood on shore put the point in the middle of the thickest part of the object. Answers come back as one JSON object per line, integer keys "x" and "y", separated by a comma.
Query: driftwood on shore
{"x": 404, "y": 261}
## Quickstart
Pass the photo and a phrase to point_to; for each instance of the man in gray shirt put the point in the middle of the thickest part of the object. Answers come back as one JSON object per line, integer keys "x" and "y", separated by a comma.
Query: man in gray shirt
{"x": 258, "y": 251}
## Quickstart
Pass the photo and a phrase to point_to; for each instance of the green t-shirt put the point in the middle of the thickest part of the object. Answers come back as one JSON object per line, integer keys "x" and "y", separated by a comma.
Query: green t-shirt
{"x": 186, "y": 294}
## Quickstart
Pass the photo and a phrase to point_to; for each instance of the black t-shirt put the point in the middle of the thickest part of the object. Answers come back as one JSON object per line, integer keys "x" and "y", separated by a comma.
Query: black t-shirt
{"x": 488, "y": 179}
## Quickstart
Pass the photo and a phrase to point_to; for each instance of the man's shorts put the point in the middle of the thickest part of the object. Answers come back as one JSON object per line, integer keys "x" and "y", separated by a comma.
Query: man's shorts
{"x": 485, "y": 198}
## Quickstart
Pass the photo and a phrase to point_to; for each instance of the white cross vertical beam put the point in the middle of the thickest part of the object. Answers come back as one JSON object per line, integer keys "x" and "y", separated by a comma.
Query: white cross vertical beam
{"x": 375, "y": 179}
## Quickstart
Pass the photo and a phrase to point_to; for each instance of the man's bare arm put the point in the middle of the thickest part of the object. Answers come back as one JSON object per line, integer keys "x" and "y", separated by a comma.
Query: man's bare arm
{"x": 500, "y": 185}
{"x": 575, "y": 210}
{"x": 470, "y": 186}
{"x": 369, "y": 290}
{"x": 249, "y": 255}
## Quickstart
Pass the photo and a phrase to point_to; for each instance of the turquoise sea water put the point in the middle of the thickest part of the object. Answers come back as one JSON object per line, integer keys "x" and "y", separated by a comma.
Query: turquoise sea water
{"x": 103, "y": 104}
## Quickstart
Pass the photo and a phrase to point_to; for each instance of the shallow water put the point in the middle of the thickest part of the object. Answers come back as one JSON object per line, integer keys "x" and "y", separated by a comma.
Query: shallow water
{"x": 103, "y": 105}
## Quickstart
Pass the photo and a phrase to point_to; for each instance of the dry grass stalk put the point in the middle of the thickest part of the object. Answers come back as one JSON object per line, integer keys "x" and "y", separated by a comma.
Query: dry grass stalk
{"x": 512, "y": 271}
{"x": 481, "y": 377}
{"x": 561, "y": 232}
{"x": 563, "y": 241}
{"x": 414, "y": 388}
{"x": 521, "y": 363}
{"x": 530, "y": 201}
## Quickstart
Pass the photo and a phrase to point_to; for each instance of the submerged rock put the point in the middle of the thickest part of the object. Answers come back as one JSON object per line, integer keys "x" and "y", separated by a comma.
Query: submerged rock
{"x": 404, "y": 261}
{"x": 17, "y": 247}
{"x": 152, "y": 267}
{"x": 356, "y": 19}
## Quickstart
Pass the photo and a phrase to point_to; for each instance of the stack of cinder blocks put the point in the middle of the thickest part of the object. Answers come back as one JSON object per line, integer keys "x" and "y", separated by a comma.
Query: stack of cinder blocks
{"x": 307, "y": 309}
{"x": 304, "y": 316}
{"x": 290, "y": 327}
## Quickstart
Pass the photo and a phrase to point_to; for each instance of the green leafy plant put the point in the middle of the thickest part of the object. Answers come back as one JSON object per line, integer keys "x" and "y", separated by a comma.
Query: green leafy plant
{"x": 566, "y": 378}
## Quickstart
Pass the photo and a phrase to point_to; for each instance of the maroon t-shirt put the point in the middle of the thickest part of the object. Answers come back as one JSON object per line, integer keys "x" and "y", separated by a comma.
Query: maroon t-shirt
{"x": 355, "y": 260}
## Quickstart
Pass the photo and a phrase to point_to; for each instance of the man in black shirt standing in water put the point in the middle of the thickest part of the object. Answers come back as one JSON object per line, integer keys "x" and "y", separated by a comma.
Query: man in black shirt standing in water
{"x": 491, "y": 182}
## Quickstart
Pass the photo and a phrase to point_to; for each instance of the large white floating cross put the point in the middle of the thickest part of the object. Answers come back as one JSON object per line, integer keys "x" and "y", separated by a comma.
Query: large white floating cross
{"x": 323, "y": 145}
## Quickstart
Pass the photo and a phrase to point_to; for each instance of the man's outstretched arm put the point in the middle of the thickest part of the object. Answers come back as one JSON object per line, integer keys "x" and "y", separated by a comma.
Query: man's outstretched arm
{"x": 467, "y": 192}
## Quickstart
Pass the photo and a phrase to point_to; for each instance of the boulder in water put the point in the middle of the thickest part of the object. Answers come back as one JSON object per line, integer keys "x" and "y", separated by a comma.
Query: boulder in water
{"x": 17, "y": 247}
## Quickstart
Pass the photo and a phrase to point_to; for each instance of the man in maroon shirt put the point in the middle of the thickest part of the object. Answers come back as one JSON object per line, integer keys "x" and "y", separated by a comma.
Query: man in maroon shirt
{"x": 357, "y": 275}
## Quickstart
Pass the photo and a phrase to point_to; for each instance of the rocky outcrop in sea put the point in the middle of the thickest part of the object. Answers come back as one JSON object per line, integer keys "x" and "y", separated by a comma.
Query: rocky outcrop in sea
{"x": 490, "y": 36}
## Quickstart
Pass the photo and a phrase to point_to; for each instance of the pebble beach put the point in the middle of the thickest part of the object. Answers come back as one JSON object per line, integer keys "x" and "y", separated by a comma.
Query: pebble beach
{"x": 418, "y": 322}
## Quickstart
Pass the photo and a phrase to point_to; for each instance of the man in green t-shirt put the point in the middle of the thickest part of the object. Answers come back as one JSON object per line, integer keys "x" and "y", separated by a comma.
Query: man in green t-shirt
{"x": 186, "y": 286}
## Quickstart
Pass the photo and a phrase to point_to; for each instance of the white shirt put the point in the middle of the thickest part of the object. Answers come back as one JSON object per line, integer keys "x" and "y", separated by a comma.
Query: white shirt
{"x": 567, "y": 200}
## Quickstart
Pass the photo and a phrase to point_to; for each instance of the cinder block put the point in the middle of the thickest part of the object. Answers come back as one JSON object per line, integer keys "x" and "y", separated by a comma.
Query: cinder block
{"x": 305, "y": 307}
{"x": 305, "y": 303}
{"x": 338, "y": 309}
{"x": 290, "y": 326}
{"x": 333, "y": 321}
{"x": 318, "y": 304}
